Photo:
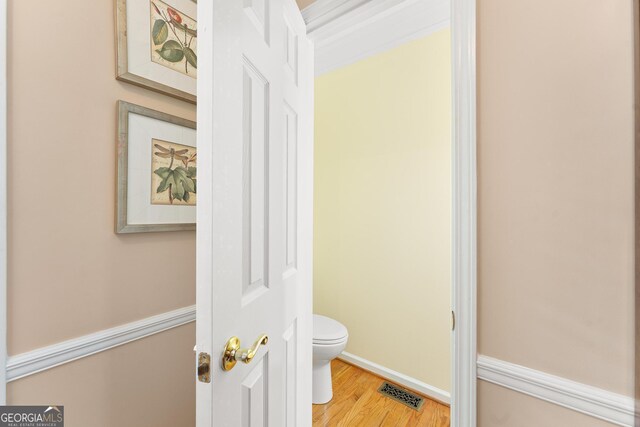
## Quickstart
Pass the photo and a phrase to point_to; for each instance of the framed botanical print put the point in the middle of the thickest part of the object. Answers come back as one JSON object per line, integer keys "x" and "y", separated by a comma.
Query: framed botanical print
{"x": 158, "y": 45}
{"x": 157, "y": 171}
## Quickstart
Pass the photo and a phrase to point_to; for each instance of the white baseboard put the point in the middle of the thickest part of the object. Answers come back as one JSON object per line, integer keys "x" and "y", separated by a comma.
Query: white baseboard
{"x": 605, "y": 405}
{"x": 44, "y": 358}
{"x": 398, "y": 378}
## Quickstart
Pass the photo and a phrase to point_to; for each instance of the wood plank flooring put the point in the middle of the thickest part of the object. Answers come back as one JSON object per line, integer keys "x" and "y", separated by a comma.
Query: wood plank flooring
{"x": 356, "y": 402}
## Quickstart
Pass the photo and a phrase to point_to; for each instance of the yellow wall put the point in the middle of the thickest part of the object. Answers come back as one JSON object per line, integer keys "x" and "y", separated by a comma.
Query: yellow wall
{"x": 69, "y": 273}
{"x": 382, "y": 206}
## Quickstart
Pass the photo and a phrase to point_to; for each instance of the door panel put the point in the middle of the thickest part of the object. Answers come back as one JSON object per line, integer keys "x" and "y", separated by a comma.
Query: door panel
{"x": 254, "y": 395}
{"x": 258, "y": 13}
{"x": 255, "y": 183}
{"x": 255, "y": 211}
{"x": 291, "y": 188}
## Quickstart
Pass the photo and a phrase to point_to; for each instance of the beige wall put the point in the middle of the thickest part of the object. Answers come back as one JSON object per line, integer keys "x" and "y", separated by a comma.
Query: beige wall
{"x": 69, "y": 274}
{"x": 382, "y": 205}
{"x": 501, "y": 407}
{"x": 555, "y": 148}
{"x": 138, "y": 384}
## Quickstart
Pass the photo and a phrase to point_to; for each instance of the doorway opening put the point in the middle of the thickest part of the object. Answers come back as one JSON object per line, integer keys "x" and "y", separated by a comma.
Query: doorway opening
{"x": 383, "y": 214}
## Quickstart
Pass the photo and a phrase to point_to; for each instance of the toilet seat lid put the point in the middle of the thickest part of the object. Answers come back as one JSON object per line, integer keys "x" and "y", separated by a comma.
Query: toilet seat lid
{"x": 326, "y": 329}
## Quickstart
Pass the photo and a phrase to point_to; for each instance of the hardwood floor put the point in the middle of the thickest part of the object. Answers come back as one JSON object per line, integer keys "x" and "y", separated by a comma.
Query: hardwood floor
{"x": 356, "y": 402}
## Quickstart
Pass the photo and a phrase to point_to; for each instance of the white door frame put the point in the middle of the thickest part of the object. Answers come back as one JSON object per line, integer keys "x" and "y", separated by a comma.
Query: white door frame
{"x": 464, "y": 218}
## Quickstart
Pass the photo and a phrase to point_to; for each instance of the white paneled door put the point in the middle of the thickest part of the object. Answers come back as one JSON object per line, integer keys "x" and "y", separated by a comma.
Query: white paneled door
{"x": 255, "y": 143}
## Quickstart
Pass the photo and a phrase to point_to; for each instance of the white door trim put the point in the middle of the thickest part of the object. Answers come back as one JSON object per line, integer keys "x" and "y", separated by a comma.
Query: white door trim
{"x": 3, "y": 201}
{"x": 464, "y": 225}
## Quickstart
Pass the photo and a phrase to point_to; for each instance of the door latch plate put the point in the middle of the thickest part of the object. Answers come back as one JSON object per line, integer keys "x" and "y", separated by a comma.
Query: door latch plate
{"x": 204, "y": 368}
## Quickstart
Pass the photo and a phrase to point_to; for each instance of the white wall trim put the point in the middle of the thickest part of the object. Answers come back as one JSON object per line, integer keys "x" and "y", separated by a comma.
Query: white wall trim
{"x": 3, "y": 199}
{"x": 322, "y": 12}
{"x": 464, "y": 213}
{"x": 346, "y": 31}
{"x": 398, "y": 378}
{"x": 44, "y": 358}
{"x": 605, "y": 405}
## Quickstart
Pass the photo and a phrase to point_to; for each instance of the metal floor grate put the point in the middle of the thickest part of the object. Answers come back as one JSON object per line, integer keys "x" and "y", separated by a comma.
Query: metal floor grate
{"x": 405, "y": 397}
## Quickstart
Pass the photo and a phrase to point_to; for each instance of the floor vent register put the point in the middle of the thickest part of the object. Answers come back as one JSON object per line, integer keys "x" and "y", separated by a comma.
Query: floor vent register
{"x": 405, "y": 397}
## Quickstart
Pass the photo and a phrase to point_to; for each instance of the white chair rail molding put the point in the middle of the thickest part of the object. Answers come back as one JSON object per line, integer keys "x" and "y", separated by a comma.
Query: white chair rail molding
{"x": 605, "y": 405}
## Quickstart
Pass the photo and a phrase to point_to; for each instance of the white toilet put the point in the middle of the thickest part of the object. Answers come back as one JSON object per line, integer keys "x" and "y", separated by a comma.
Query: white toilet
{"x": 329, "y": 339}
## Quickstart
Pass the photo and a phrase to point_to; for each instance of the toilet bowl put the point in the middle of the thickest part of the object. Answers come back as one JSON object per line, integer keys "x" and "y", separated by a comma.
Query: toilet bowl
{"x": 329, "y": 340}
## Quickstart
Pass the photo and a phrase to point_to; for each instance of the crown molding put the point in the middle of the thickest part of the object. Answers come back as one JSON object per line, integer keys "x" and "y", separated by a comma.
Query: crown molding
{"x": 346, "y": 31}
{"x": 322, "y": 12}
{"x": 605, "y": 405}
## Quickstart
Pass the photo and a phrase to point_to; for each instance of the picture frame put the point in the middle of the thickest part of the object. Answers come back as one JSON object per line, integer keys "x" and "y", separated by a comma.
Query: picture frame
{"x": 157, "y": 46}
{"x": 156, "y": 171}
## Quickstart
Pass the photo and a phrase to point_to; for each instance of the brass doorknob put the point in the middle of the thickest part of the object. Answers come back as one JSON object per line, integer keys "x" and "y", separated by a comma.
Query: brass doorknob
{"x": 233, "y": 353}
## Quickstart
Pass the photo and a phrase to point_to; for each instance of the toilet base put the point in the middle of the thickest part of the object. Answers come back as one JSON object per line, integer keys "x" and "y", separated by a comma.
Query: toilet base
{"x": 322, "y": 388}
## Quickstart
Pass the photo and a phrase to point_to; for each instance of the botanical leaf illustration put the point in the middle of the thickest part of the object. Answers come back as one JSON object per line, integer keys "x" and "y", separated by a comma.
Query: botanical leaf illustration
{"x": 191, "y": 173}
{"x": 160, "y": 31}
{"x": 178, "y": 181}
{"x": 176, "y": 35}
{"x": 167, "y": 180}
{"x": 163, "y": 172}
{"x": 171, "y": 51}
{"x": 191, "y": 57}
{"x": 183, "y": 182}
